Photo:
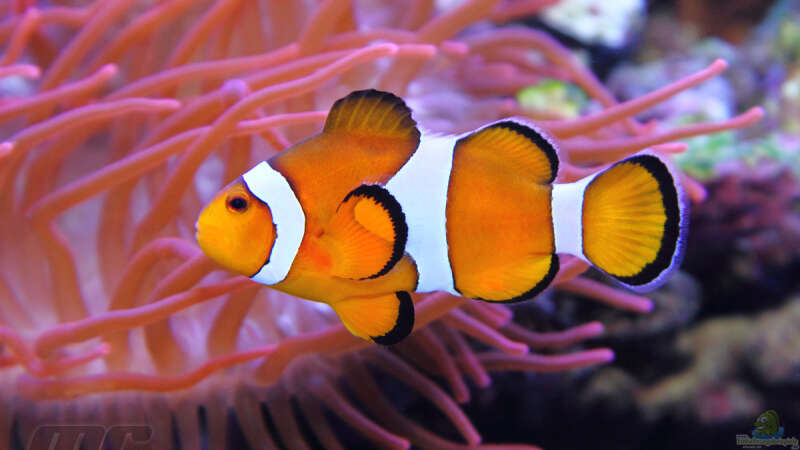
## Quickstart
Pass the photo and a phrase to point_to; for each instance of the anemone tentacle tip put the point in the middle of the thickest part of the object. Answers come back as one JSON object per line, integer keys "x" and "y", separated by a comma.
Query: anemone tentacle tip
{"x": 720, "y": 64}
{"x": 645, "y": 306}
{"x": 32, "y": 72}
{"x": 756, "y": 113}
{"x": 109, "y": 70}
{"x": 605, "y": 355}
{"x": 5, "y": 148}
{"x": 594, "y": 329}
{"x": 104, "y": 348}
{"x": 518, "y": 348}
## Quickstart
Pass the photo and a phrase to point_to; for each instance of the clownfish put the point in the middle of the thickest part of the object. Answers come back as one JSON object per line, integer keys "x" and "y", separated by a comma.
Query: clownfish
{"x": 370, "y": 210}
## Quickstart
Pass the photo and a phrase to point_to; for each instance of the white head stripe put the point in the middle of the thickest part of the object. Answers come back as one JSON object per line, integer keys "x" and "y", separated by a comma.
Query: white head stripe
{"x": 567, "y": 212}
{"x": 271, "y": 187}
{"x": 420, "y": 187}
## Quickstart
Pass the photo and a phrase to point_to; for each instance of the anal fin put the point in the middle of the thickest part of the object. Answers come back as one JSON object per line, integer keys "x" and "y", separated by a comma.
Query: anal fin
{"x": 367, "y": 235}
{"x": 385, "y": 319}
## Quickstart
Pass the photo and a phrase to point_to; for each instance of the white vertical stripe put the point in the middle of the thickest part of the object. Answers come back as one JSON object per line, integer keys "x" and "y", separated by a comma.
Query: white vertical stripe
{"x": 567, "y": 212}
{"x": 271, "y": 187}
{"x": 420, "y": 187}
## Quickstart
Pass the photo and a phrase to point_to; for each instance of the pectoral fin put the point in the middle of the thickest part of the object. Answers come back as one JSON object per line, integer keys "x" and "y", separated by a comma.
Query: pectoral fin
{"x": 385, "y": 319}
{"x": 367, "y": 235}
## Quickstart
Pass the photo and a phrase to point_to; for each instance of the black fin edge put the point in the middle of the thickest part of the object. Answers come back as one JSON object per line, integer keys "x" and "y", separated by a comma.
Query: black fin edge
{"x": 381, "y": 96}
{"x": 404, "y": 324}
{"x": 534, "y": 135}
{"x": 672, "y": 227}
{"x": 392, "y": 206}
{"x": 535, "y": 290}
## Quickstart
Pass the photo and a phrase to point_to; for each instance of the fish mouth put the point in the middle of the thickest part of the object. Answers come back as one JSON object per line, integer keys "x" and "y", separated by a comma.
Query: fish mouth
{"x": 207, "y": 235}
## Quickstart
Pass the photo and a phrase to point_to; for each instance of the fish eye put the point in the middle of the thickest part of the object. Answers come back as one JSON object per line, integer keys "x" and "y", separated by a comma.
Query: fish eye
{"x": 237, "y": 203}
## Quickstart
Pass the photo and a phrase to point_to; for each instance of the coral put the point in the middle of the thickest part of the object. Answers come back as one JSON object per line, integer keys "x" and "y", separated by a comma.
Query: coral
{"x": 731, "y": 20}
{"x": 709, "y": 389}
{"x": 749, "y": 230}
{"x": 675, "y": 305}
{"x": 112, "y": 141}
{"x": 763, "y": 72}
{"x": 553, "y": 97}
{"x": 593, "y": 22}
{"x": 703, "y": 382}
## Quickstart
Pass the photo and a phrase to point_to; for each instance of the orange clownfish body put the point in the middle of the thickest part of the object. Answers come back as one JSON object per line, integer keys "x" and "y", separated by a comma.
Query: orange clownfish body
{"x": 370, "y": 210}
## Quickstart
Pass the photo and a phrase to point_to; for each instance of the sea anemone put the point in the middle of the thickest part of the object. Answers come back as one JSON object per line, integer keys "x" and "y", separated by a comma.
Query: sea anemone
{"x": 121, "y": 117}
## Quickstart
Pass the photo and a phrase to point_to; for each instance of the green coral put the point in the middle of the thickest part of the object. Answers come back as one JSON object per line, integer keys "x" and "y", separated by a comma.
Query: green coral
{"x": 554, "y": 97}
{"x": 788, "y": 42}
{"x": 707, "y": 154}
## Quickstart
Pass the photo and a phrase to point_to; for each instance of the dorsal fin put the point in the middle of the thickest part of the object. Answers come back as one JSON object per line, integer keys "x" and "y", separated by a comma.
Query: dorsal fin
{"x": 373, "y": 113}
{"x": 519, "y": 145}
{"x": 367, "y": 235}
{"x": 368, "y": 136}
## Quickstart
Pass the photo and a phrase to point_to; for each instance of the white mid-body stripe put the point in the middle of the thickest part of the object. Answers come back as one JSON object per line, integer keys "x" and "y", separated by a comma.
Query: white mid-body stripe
{"x": 567, "y": 213}
{"x": 271, "y": 187}
{"x": 420, "y": 187}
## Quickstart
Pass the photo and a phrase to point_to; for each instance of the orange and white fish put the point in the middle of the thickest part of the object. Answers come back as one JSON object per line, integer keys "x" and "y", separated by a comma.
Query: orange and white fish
{"x": 371, "y": 209}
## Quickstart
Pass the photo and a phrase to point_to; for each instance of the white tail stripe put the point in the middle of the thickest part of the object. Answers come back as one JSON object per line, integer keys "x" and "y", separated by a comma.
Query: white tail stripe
{"x": 271, "y": 187}
{"x": 567, "y": 212}
{"x": 420, "y": 187}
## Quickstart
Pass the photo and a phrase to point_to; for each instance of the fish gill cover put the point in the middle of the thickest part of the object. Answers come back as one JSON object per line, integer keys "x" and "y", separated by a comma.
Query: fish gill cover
{"x": 120, "y": 117}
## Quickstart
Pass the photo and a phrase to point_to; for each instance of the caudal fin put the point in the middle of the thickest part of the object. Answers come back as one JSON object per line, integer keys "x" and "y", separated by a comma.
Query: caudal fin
{"x": 633, "y": 221}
